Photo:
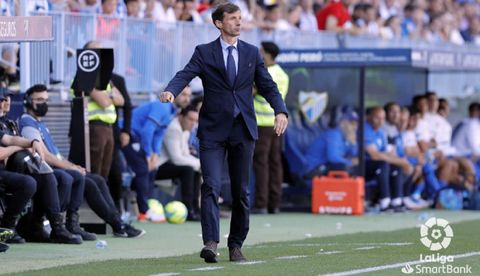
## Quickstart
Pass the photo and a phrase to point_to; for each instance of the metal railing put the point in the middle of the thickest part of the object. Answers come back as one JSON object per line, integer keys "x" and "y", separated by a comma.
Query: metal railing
{"x": 148, "y": 53}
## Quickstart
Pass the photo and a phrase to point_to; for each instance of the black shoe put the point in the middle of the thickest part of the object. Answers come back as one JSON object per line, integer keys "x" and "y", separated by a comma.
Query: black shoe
{"x": 3, "y": 247}
{"x": 236, "y": 255}
{"x": 6, "y": 234}
{"x": 259, "y": 211}
{"x": 128, "y": 231}
{"x": 59, "y": 233}
{"x": 16, "y": 238}
{"x": 73, "y": 226}
{"x": 209, "y": 252}
{"x": 273, "y": 210}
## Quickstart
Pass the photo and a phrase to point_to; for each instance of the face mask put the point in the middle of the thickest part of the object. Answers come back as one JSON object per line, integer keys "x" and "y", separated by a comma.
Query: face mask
{"x": 41, "y": 109}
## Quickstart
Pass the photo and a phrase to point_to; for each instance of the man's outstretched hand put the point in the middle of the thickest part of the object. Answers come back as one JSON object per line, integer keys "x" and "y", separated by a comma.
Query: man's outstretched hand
{"x": 166, "y": 97}
{"x": 281, "y": 123}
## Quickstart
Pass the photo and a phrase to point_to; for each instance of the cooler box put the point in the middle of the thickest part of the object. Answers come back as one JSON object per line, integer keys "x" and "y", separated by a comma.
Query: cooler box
{"x": 338, "y": 193}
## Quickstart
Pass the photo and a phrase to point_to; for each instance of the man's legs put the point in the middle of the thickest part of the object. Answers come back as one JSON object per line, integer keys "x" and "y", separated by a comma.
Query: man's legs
{"x": 141, "y": 182}
{"x": 379, "y": 170}
{"x": 240, "y": 153}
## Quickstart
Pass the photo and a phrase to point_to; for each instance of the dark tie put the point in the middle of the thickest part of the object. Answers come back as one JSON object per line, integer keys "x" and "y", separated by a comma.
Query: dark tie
{"x": 232, "y": 74}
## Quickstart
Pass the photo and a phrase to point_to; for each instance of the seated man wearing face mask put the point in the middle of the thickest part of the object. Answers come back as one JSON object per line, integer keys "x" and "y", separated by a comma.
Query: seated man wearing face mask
{"x": 96, "y": 190}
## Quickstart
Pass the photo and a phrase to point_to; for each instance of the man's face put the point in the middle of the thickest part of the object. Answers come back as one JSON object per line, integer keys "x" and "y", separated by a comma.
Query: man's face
{"x": 5, "y": 104}
{"x": 39, "y": 98}
{"x": 133, "y": 8}
{"x": 231, "y": 23}
{"x": 183, "y": 100}
{"x": 433, "y": 103}
{"x": 422, "y": 105}
{"x": 394, "y": 114}
{"x": 109, "y": 7}
{"x": 413, "y": 121}
{"x": 377, "y": 118}
{"x": 189, "y": 121}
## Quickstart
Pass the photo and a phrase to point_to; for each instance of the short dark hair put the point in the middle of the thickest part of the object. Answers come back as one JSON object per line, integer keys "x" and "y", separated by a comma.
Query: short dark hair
{"x": 473, "y": 107}
{"x": 195, "y": 101}
{"x": 390, "y": 105}
{"x": 221, "y": 9}
{"x": 36, "y": 89}
{"x": 271, "y": 48}
{"x": 189, "y": 108}
{"x": 430, "y": 93}
{"x": 418, "y": 98}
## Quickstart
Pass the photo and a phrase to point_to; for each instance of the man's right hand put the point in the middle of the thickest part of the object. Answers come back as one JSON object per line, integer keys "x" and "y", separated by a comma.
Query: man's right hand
{"x": 166, "y": 97}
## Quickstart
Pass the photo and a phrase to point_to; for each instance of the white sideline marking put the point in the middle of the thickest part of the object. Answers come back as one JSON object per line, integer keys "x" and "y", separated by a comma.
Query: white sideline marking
{"x": 367, "y": 248}
{"x": 329, "y": 252}
{"x": 397, "y": 265}
{"x": 166, "y": 274}
{"x": 207, "y": 268}
{"x": 291, "y": 257}
{"x": 251, "y": 263}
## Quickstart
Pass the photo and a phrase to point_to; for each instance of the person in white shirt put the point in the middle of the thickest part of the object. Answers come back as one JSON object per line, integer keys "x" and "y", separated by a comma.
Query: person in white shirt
{"x": 308, "y": 21}
{"x": 467, "y": 176}
{"x": 163, "y": 11}
{"x": 176, "y": 161}
{"x": 425, "y": 133}
{"x": 466, "y": 138}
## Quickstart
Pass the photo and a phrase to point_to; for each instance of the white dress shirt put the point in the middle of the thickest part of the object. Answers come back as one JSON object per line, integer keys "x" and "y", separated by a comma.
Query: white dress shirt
{"x": 467, "y": 138}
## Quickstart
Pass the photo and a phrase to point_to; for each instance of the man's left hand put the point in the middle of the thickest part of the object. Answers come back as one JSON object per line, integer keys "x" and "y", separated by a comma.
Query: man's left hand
{"x": 281, "y": 123}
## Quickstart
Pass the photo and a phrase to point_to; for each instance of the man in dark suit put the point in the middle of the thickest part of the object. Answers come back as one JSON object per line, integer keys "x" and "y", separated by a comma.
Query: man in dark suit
{"x": 227, "y": 127}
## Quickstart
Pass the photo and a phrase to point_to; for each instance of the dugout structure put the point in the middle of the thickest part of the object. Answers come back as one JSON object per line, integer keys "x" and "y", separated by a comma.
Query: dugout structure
{"x": 322, "y": 79}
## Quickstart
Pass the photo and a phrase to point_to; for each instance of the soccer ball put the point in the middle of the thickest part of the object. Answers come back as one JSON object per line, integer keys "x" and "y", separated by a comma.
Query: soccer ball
{"x": 176, "y": 212}
{"x": 155, "y": 211}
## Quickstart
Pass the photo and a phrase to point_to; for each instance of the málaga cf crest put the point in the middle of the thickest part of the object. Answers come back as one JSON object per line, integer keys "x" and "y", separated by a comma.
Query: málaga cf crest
{"x": 312, "y": 104}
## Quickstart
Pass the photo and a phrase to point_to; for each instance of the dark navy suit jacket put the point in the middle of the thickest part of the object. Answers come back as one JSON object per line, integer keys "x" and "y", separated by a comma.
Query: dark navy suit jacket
{"x": 216, "y": 115}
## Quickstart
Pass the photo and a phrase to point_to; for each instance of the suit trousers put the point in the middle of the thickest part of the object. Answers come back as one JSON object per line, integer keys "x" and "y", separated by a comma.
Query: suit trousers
{"x": 267, "y": 163}
{"x": 101, "y": 148}
{"x": 238, "y": 150}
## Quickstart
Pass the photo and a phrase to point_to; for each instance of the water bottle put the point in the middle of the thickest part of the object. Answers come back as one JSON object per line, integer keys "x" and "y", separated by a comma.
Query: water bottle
{"x": 101, "y": 244}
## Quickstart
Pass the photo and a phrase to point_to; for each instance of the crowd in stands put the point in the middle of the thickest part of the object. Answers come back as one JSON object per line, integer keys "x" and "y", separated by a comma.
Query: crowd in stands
{"x": 454, "y": 21}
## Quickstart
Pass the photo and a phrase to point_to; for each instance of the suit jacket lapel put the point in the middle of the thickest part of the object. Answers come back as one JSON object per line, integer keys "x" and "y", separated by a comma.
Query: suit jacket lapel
{"x": 218, "y": 57}
{"x": 242, "y": 57}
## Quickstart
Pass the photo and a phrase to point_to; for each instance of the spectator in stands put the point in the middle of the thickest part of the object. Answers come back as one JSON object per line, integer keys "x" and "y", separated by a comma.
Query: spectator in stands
{"x": 91, "y": 6}
{"x": 190, "y": 13}
{"x": 370, "y": 17}
{"x": 293, "y": 16}
{"x": 176, "y": 161}
{"x": 178, "y": 9}
{"x": 267, "y": 160}
{"x": 413, "y": 22}
{"x": 133, "y": 8}
{"x": 335, "y": 17}
{"x": 51, "y": 197}
{"x": 308, "y": 21}
{"x": 472, "y": 33}
{"x": 194, "y": 143}
{"x": 96, "y": 190}
{"x": 149, "y": 123}
{"x": 163, "y": 11}
{"x": 337, "y": 147}
{"x": 389, "y": 8}
{"x": 392, "y": 28}
{"x": 381, "y": 164}
{"x": 273, "y": 20}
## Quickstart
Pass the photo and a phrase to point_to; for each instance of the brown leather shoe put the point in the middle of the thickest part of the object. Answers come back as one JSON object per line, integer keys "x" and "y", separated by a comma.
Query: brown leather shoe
{"x": 209, "y": 252}
{"x": 236, "y": 255}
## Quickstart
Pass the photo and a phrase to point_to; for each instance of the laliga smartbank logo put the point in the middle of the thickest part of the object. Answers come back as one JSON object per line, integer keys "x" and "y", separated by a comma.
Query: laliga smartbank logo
{"x": 436, "y": 234}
